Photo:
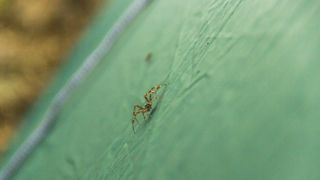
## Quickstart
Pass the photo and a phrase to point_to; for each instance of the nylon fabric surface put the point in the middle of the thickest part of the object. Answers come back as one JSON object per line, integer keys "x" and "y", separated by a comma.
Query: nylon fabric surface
{"x": 242, "y": 100}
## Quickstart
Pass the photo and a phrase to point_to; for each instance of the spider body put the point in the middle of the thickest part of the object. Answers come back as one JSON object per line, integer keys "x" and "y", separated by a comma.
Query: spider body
{"x": 149, "y": 97}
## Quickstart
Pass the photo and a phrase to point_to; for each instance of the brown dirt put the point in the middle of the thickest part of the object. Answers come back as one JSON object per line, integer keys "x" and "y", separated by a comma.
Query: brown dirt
{"x": 35, "y": 36}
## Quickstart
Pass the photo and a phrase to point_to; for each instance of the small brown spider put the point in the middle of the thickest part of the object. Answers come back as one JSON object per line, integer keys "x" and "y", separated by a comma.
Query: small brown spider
{"x": 137, "y": 109}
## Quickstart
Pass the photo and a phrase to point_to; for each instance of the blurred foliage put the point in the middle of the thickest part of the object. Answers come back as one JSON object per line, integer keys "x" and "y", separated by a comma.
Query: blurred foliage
{"x": 35, "y": 36}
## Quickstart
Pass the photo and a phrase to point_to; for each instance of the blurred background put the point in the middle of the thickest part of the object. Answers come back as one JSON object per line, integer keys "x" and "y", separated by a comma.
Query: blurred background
{"x": 35, "y": 38}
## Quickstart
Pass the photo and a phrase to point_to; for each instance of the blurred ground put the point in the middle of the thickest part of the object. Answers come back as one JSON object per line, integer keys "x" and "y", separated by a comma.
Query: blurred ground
{"x": 35, "y": 36}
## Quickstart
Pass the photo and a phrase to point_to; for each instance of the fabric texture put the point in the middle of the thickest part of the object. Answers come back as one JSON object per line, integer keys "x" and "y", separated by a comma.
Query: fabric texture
{"x": 242, "y": 100}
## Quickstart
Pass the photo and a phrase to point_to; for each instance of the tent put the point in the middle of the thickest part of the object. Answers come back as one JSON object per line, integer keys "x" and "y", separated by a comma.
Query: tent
{"x": 241, "y": 96}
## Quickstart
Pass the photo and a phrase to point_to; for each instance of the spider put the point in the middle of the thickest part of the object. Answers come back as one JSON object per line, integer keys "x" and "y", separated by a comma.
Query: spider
{"x": 137, "y": 109}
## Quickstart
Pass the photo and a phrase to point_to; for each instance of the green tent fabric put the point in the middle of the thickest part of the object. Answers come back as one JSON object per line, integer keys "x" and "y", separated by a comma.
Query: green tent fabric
{"x": 242, "y": 100}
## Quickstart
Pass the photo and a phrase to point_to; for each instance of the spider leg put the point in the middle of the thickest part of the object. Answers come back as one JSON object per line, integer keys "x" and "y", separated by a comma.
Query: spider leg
{"x": 155, "y": 89}
{"x": 137, "y": 106}
{"x": 146, "y": 97}
{"x": 136, "y": 112}
{"x": 155, "y": 97}
{"x": 152, "y": 90}
{"x": 137, "y": 109}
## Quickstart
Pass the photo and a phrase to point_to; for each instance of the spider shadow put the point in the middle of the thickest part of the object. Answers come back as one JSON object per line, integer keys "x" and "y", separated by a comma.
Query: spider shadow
{"x": 150, "y": 115}
{"x": 154, "y": 109}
